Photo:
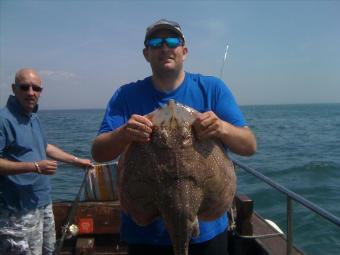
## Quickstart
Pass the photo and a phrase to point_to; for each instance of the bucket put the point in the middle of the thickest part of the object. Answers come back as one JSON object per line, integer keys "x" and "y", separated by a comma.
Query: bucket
{"x": 101, "y": 183}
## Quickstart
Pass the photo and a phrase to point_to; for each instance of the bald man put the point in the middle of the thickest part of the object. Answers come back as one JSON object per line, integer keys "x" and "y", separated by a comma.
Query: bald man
{"x": 26, "y": 163}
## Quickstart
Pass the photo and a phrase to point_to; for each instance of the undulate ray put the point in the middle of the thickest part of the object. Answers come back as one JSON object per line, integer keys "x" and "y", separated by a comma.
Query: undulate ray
{"x": 176, "y": 176}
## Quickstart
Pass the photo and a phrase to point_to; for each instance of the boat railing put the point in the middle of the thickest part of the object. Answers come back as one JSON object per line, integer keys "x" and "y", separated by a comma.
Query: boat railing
{"x": 291, "y": 196}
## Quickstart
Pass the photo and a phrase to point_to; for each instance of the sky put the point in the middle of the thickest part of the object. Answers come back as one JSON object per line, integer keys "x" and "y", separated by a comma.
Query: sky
{"x": 279, "y": 52}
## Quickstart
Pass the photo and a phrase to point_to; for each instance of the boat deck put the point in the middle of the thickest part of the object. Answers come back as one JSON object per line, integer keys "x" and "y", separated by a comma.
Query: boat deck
{"x": 99, "y": 222}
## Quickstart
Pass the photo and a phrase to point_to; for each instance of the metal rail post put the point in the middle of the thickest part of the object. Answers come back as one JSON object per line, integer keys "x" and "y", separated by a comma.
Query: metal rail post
{"x": 289, "y": 225}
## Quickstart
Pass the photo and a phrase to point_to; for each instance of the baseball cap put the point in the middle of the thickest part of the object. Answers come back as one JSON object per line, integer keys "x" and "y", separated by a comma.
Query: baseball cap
{"x": 164, "y": 24}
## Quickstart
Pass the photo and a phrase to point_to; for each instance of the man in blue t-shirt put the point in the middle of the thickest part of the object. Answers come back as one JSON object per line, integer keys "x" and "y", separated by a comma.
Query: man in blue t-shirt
{"x": 124, "y": 122}
{"x": 26, "y": 217}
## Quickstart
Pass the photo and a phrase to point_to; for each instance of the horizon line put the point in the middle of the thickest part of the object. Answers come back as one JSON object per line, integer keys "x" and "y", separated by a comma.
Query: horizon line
{"x": 241, "y": 105}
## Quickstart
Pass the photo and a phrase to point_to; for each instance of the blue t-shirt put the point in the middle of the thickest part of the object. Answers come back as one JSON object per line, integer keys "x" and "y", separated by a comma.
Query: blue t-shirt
{"x": 203, "y": 93}
{"x": 22, "y": 140}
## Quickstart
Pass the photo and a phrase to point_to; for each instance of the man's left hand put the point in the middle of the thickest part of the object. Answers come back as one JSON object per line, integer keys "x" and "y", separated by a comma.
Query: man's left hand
{"x": 208, "y": 125}
{"x": 82, "y": 163}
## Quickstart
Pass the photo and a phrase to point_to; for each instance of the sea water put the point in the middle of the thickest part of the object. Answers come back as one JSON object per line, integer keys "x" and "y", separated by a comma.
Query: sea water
{"x": 298, "y": 147}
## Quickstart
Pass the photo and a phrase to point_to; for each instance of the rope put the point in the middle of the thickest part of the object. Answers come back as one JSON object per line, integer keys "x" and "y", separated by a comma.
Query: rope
{"x": 233, "y": 230}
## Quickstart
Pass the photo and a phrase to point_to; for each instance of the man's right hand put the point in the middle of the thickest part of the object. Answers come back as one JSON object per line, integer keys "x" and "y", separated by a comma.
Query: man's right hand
{"x": 109, "y": 145}
{"x": 138, "y": 128}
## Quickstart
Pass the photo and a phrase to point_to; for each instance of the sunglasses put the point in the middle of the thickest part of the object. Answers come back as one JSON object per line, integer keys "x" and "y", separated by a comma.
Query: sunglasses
{"x": 25, "y": 87}
{"x": 171, "y": 42}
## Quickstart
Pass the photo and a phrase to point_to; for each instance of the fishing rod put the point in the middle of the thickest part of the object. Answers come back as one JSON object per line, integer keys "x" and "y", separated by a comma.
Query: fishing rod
{"x": 71, "y": 214}
{"x": 224, "y": 60}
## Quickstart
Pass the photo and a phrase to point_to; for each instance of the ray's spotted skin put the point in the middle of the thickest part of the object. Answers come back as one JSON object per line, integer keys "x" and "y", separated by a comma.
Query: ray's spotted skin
{"x": 176, "y": 176}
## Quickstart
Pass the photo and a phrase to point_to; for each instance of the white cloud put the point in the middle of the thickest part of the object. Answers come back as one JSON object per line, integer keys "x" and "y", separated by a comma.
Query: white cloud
{"x": 58, "y": 75}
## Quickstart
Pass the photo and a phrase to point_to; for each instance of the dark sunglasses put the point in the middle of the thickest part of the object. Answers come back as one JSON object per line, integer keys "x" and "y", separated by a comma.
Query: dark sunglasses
{"x": 25, "y": 87}
{"x": 171, "y": 42}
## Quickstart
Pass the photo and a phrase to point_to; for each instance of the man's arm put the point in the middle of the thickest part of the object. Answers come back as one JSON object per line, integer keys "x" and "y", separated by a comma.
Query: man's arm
{"x": 107, "y": 146}
{"x": 49, "y": 167}
{"x": 56, "y": 153}
{"x": 8, "y": 167}
{"x": 239, "y": 140}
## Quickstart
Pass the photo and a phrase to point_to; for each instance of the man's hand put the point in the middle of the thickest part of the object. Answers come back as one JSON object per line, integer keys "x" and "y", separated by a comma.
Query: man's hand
{"x": 239, "y": 140}
{"x": 82, "y": 162}
{"x": 208, "y": 125}
{"x": 107, "y": 146}
{"x": 48, "y": 167}
{"x": 138, "y": 128}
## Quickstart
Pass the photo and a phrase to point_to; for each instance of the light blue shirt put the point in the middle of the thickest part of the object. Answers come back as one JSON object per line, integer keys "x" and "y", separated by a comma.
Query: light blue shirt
{"x": 22, "y": 140}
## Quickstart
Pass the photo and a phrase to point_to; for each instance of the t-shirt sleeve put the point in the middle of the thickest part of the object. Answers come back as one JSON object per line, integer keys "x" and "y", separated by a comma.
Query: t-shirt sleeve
{"x": 114, "y": 116}
{"x": 226, "y": 106}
